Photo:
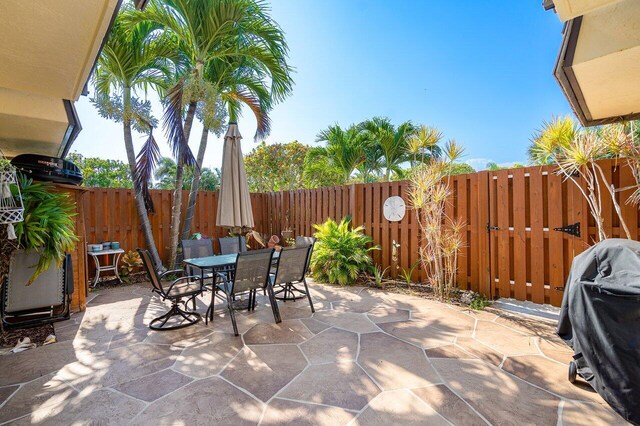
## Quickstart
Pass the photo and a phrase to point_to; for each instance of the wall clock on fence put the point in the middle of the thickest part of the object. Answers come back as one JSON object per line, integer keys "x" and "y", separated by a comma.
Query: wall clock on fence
{"x": 394, "y": 209}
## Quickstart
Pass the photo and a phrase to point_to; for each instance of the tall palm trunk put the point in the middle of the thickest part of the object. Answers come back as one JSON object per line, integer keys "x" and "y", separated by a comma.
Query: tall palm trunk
{"x": 195, "y": 185}
{"x": 145, "y": 224}
{"x": 176, "y": 209}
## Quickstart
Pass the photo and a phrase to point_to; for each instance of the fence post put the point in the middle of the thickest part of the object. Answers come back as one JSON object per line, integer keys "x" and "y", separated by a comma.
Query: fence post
{"x": 355, "y": 204}
{"x": 484, "y": 256}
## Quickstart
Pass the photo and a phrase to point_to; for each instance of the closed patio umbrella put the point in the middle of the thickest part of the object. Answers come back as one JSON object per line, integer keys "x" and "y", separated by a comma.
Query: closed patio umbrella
{"x": 234, "y": 202}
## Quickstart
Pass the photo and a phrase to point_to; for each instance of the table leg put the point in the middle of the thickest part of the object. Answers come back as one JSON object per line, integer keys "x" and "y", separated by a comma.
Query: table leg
{"x": 97, "y": 262}
{"x": 116, "y": 259}
{"x": 213, "y": 290}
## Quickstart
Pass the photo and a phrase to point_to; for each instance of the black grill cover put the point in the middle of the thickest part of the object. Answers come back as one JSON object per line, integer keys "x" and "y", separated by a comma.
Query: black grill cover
{"x": 600, "y": 320}
{"x": 49, "y": 169}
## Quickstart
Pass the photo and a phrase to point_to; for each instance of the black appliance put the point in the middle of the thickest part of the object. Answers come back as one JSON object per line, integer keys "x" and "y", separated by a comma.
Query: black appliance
{"x": 600, "y": 320}
{"x": 51, "y": 169}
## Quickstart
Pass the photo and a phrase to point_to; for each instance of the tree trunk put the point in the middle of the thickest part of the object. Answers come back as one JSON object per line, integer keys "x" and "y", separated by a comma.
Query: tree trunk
{"x": 145, "y": 224}
{"x": 195, "y": 186}
{"x": 176, "y": 209}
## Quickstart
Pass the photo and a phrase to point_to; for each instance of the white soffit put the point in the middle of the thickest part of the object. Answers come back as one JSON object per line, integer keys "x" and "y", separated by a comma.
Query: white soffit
{"x": 31, "y": 123}
{"x": 606, "y": 62}
{"x": 49, "y": 46}
{"x": 569, "y": 9}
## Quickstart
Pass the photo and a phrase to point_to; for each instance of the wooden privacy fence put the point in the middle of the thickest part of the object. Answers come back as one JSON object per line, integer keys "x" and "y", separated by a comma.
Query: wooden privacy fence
{"x": 511, "y": 247}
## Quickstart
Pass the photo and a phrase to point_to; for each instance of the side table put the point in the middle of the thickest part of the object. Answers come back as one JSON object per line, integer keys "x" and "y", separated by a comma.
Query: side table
{"x": 108, "y": 267}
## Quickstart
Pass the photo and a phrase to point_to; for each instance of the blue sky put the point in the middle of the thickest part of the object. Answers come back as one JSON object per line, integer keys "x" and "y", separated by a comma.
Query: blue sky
{"x": 480, "y": 71}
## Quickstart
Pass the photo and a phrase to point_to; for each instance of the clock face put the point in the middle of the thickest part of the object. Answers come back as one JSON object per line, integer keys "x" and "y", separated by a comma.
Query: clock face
{"x": 394, "y": 209}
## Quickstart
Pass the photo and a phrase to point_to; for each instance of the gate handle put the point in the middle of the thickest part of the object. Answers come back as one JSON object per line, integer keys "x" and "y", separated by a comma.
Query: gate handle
{"x": 492, "y": 228}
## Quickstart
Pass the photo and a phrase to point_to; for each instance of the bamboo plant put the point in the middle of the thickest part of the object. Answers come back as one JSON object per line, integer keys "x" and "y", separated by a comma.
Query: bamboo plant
{"x": 441, "y": 235}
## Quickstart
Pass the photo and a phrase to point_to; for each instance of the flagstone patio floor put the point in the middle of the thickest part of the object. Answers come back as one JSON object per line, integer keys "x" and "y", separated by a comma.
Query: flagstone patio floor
{"x": 366, "y": 357}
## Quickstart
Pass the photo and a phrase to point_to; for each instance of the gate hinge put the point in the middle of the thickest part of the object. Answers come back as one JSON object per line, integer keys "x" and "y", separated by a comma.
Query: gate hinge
{"x": 492, "y": 228}
{"x": 573, "y": 229}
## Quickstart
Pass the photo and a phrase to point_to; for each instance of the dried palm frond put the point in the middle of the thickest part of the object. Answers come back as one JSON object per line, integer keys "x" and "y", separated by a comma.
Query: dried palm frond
{"x": 146, "y": 162}
{"x": 172, "y": 122}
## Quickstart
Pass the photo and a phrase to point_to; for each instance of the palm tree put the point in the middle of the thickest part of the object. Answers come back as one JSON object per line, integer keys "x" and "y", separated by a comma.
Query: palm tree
{"x": 370, "y": 170}
{"x": 229, "y": 30}
{"x": 552, "y": 139}
{"x": 343, "y": 153}
{"x": 240, "y": 81}
{"x": 393, "y": 142}
{"x": 423, "y": 145}
{"x": 135, "y": 57}
{"x": 165, "y": 176}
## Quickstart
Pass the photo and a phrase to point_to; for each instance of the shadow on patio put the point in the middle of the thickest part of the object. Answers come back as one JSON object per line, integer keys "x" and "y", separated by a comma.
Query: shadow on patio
{"x": 365, "y": 356}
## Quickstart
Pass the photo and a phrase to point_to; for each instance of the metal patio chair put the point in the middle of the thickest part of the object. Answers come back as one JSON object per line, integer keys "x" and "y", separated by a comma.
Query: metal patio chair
{"x": 183, "y": 288}
{"x": 292, "y": 268}
{"x": 251, "y": 273}
{"x": 193, "y": 249}
{"x": 231, "y": 245}
{"x": 306, "y": 241}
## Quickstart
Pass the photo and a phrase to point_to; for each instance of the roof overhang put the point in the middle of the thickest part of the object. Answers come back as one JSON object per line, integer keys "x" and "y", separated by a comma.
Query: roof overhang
{"x": 569, "y": 9}
{"x": 598, "y": 66}
{"x": 47, "y": 53}
{"x": 36, "y": 124}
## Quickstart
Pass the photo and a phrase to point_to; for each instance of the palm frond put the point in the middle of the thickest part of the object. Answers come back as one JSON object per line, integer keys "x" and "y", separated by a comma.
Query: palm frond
{"x": 146, "y": 162}
{"x": 172, "y": 122}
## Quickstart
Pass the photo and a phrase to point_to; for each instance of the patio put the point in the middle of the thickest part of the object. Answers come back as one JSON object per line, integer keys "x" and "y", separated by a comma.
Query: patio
{"x": 365, "y": 357}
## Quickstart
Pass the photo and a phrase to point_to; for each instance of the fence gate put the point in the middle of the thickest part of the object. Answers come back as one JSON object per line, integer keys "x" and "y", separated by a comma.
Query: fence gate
{"x": 535, "y": 227}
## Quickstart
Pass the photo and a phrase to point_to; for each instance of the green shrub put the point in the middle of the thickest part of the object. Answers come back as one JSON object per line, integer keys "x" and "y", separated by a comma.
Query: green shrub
{"x": 341, "y": 252}
{"x": 48, "y": 224}
{"x": 479, "y": 302}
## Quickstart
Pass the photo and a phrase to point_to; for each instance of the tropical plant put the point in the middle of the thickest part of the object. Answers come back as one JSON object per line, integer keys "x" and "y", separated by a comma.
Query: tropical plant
{"x": 48, "y": 226}
{"x": 378, "y": 275}
{"x": 135, "y": 57}
{"x": 131, "y": 261}
{"x": 101, "y": 173}
{"x": 275, "y": 167}
{"x": 231, "y": 36}
{"x": 407, "y": 274}
{"x": 575, "y": 152}
{"x": 479, "y": 302}
{"x": 552, "y": 139}
{"x": 343, "y": 152}
{"x": 391, "y": 141}
{"x": 319, "y": 170}
{"x": 460, "y": 169}
{"x": 441, "y": 235}
{"x": 423, "y": 145}
{"x": 165, "y": 174}
{"x": 341, "y": 252}
{"x": 254, "y": 82}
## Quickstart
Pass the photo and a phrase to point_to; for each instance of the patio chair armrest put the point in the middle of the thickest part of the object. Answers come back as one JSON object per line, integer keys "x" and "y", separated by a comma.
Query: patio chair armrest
{"x": 179, "y": 280}
{"x": 171, "y": 271}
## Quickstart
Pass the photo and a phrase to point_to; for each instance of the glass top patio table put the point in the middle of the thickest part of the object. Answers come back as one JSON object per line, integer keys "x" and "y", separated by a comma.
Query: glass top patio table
{"x": 218, "y": 261}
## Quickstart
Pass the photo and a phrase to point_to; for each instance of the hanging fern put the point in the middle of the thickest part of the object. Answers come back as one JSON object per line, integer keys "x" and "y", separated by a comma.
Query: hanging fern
{"x": 48, "y": 225}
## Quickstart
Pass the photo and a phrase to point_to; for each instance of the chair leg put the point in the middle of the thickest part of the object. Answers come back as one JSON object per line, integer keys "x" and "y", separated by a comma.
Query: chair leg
{"x": 232, "y": 314}
{"x": 274, "y": 304}
{"x": 189, "y": 317}
{"x": 252, "y": 301}
{"x": 209, "y": 315}
{"x": 213, "y": 301}
{"x": 306, "y": 290}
